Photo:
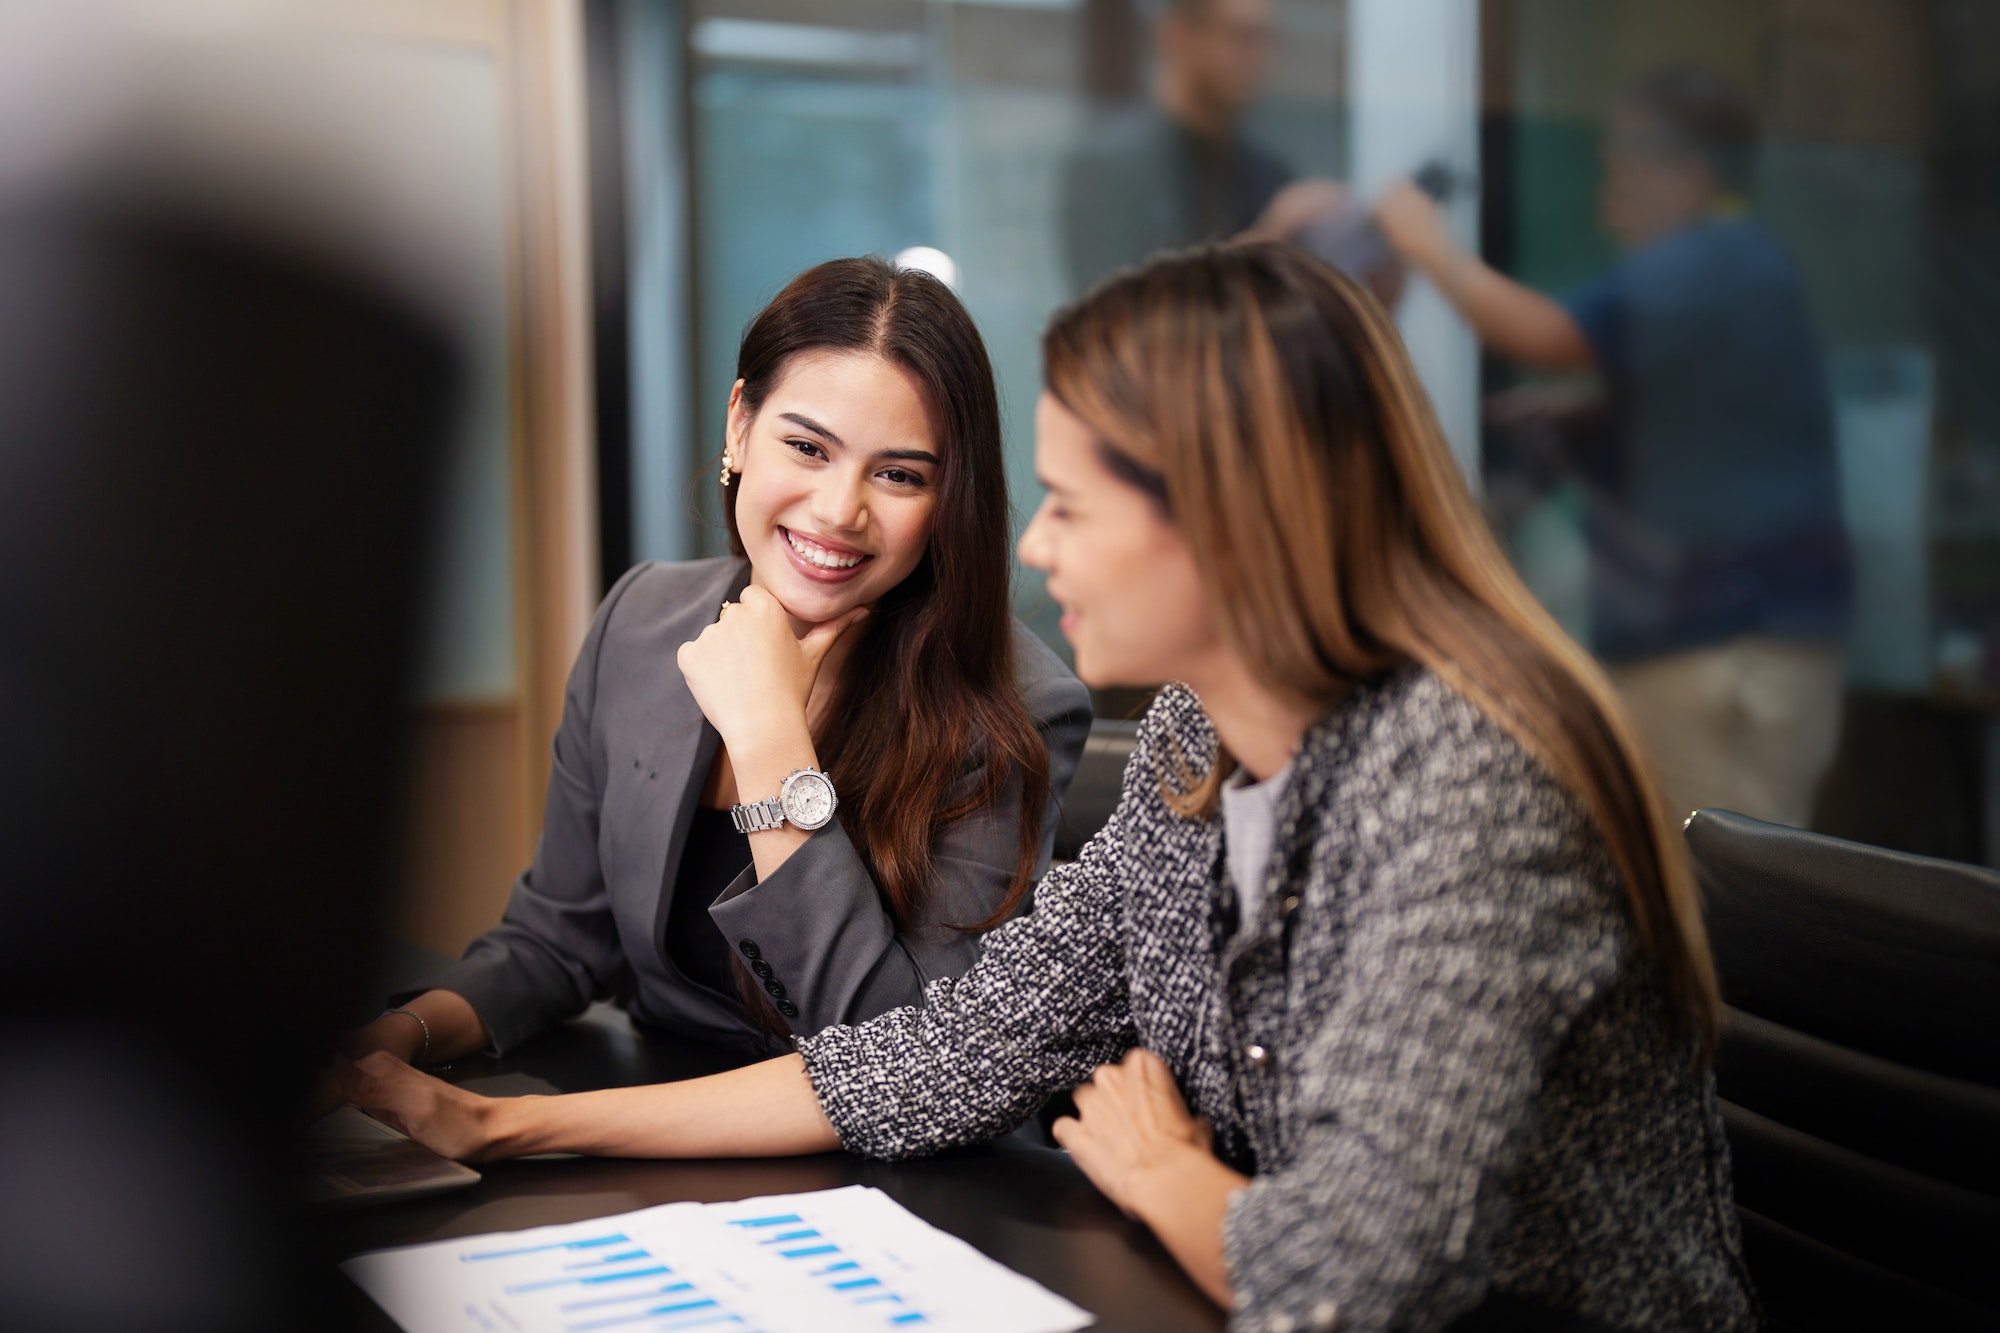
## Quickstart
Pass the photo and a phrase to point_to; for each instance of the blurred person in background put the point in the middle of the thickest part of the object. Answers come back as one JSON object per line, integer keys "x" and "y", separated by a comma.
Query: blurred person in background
{"x": 1176, "y": 170}
{"x": 1719, "y": 575}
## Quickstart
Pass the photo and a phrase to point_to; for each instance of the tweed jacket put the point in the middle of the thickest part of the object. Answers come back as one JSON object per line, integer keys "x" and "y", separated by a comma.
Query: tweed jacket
{"x": 588, "y": 917}
{"x": 1436, "y": 1049}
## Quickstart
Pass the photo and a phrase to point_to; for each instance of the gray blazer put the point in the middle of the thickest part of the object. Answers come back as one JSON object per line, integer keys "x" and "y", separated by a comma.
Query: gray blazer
{"x": 588, "y": 916}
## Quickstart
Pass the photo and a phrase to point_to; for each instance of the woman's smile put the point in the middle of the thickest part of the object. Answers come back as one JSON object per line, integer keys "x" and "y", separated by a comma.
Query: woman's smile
{"x": 822, "y": 560}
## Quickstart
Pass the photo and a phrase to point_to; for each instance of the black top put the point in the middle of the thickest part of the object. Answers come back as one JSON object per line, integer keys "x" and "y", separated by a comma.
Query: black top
{"x": 714, "y": 856}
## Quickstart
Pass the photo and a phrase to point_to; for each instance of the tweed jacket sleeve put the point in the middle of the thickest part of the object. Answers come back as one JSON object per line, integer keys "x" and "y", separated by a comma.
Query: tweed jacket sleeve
{"x": 1482, "y": 923}
{"x": 1046, "y": 1004}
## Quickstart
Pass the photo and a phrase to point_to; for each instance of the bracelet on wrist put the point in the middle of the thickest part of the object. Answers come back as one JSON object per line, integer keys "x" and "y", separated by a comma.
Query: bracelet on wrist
{"x": 425, "y": 1049}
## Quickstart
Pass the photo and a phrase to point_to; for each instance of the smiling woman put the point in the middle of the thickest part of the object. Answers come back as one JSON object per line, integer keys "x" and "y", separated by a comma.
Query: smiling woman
{"x": 804, "y": 810}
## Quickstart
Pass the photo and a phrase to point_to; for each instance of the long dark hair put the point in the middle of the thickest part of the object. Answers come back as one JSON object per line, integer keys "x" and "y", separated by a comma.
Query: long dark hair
{"x": 930, "y": 685}
{"x": 1266, "y": 403}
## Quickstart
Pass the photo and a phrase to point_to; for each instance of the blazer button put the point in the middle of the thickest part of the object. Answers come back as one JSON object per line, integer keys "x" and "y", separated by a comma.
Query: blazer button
{"x": 749, "y": 948}
{"x": 776, "y": 987}
{"x": 761, "y": 968}
{"x": 1259, "y": 1057}
{"x": 788, "y": 1009}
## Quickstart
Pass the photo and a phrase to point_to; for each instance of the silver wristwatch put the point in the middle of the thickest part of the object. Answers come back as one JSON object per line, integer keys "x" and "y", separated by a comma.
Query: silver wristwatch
{"x": 805, "y": 800}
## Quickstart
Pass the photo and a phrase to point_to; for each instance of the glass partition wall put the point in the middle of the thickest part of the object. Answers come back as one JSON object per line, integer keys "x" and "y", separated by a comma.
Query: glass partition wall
{"x": 1764, "y": 488}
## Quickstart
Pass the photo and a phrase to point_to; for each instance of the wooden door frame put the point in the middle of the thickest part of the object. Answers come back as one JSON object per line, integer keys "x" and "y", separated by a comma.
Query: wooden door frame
{"x": 538, "y": 52}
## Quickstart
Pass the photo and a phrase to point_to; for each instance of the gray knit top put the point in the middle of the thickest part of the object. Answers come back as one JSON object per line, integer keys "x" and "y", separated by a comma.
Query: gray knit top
{"x": 1436, "y": 1048}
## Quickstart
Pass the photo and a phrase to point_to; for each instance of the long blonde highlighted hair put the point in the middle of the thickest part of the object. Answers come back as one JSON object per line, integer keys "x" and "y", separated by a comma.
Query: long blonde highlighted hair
{"x": 1267, "y": 405}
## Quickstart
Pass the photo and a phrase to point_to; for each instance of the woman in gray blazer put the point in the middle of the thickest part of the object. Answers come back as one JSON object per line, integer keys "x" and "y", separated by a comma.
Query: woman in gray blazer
{"x": 856, "y": 655}
{"x": 1384, "y": 983}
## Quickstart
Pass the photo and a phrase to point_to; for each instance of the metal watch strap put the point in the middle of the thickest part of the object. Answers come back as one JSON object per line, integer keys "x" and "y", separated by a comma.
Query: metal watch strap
{"x": 758, "y": 816}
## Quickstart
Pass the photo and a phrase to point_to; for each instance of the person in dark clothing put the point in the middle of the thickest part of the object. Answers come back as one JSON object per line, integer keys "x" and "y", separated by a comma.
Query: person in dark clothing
{"x": 1177, "y": 170}
{"x": 1719, "y": 563}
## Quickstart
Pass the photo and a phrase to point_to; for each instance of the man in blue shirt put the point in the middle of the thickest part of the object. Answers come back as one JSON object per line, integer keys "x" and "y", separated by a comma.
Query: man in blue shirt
{"x": 1719, "y": 566}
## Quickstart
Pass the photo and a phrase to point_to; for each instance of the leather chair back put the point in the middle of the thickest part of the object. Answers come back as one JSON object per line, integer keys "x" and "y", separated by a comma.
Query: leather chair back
{"x": 1093, "y": 793}
{"x": 1859, "y": 1073}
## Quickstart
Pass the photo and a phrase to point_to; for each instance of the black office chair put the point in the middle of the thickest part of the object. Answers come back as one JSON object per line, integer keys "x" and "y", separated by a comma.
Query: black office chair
{"x": 1093, "y": 794}
{"x": 1859, "y": 1072}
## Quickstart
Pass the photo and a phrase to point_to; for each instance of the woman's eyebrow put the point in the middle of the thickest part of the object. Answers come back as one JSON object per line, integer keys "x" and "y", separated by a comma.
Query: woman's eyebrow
{"x": 813, "y": 426}
{"x": 908, "y": 456}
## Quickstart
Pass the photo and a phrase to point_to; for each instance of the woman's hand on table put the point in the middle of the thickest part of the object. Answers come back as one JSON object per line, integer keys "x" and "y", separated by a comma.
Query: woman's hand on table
{"x": 435, "y": 1026}
{"x": 448, "y": 1120}
{"x": 1130, "y": 1124}
{"x": 1135, "y": 1138}
{"x": 751, "y": 675}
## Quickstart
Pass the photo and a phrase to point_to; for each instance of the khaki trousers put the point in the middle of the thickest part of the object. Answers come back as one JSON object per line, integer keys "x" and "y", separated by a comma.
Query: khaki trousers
{"x": 1750, "y": 725}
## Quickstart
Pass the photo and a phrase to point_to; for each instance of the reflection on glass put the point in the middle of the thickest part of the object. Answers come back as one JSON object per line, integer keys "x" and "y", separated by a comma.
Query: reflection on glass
{"x": 1178, "y": 168}
{"x": 1721, "y": 581}
{"x": 1740, "y": 291}
{"x": 1700, "y": 459}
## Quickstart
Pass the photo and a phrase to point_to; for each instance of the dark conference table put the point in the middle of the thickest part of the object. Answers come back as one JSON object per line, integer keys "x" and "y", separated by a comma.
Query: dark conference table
{"x": 1027, "y": 1207}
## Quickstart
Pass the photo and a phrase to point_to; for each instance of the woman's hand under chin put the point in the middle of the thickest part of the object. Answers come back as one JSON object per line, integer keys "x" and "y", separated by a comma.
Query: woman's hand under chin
{"x": 751, "y": 675}
{"x": 449, "y": 1121}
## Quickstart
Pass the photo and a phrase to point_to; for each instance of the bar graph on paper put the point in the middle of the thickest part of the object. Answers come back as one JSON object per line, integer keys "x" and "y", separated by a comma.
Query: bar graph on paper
{"x": 837, "y": 1260}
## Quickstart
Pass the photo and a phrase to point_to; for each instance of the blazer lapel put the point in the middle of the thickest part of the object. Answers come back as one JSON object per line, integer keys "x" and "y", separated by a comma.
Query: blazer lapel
{"x": 675, "y": 759}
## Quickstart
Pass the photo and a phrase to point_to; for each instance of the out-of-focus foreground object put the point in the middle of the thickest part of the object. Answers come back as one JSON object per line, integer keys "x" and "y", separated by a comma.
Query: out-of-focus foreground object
{"x": 227, "y": 366}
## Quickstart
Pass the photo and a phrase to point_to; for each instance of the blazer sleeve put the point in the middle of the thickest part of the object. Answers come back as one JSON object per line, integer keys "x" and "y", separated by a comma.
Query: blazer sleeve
{"x": 556, "y": 949}
{"x": 1046, "y": 1003}
{"x": 819, "y": 923}
{"x": 1471, "y": 954}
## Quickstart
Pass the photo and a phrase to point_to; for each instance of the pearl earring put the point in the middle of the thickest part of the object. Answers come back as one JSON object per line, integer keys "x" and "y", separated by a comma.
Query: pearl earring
{"x": 727, "y": 459}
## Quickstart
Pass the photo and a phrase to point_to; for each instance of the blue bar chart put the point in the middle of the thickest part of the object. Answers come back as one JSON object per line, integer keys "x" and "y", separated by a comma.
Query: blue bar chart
{"x": 843, "y": 1278}
{"x": 839, "y": 1261}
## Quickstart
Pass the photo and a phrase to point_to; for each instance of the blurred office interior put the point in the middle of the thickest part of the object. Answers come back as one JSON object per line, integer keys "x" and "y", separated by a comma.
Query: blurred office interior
{"x": 623, "y": 182}
{"x": 573, "y": 206}
{"x": 717, "y": 147}
{"x": 734, "y": 143}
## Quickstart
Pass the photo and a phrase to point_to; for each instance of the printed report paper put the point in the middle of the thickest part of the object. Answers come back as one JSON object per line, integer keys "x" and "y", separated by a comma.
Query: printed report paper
{"x": 825, "y": 1262}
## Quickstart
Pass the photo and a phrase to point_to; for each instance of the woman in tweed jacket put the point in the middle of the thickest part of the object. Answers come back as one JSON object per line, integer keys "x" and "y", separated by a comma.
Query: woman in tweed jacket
{"x": 1384, "y": 984}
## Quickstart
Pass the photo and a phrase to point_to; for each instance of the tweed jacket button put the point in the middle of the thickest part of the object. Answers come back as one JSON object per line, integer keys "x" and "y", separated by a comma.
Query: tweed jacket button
{"x": 749, "y": 948}
{"x": 1280, "y": 1323}
{"x": 1289, "y": 905}
{"x": 1259, "y": 1057}
{"x": 1325, "y": 1317}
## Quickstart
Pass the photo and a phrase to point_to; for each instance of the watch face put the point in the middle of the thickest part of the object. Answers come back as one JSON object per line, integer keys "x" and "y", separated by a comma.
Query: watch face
{"x": 808, "y": 800}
